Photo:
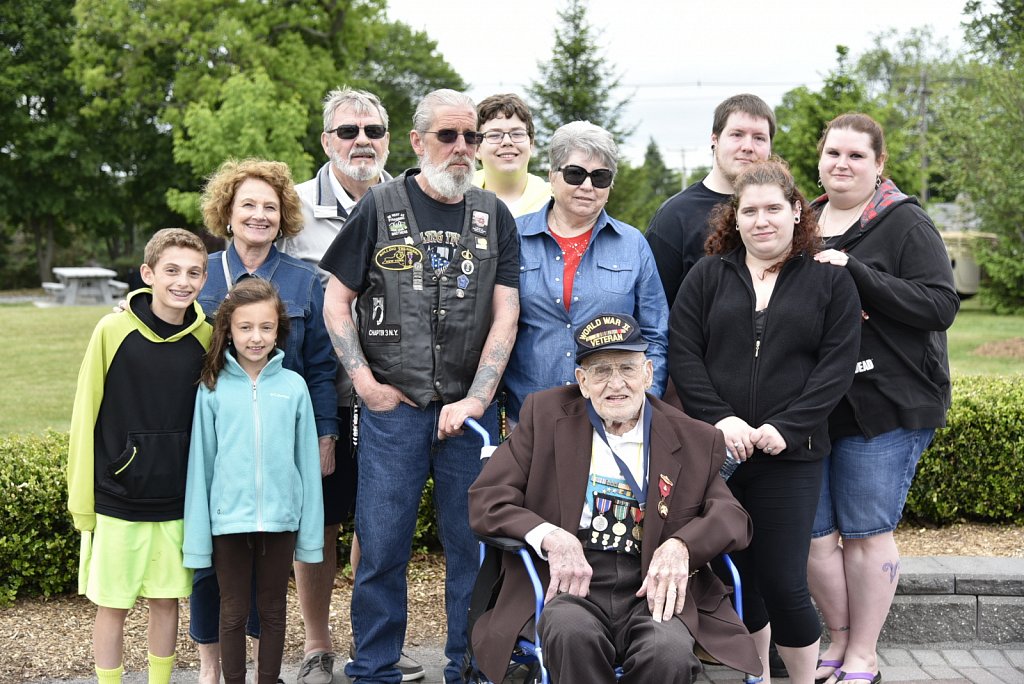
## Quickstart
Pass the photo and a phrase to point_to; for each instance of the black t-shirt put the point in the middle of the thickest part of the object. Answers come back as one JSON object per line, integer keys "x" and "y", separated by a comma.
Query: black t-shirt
{"x": 349, "y": 256}
{"x": 677, "y": 234}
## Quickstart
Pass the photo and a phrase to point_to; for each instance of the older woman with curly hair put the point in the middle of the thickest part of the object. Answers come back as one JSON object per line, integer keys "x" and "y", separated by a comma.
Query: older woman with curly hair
{"x": 253, "y": 203}
{"x": 762, "y": 345}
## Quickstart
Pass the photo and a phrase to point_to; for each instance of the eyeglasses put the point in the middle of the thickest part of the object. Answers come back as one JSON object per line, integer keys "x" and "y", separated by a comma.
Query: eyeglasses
{"x": 497, "y": 137}
{"x": 351, "y": 131}
{"x": 575, "y": 175}
{"x": 604, "y": 371}
{"x": 450, "y": 135}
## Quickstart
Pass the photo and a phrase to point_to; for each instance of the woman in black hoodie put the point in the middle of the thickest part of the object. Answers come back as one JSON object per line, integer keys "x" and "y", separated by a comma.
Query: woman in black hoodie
{"x": 762, "y": 345}
{"x": 900, "y": 394}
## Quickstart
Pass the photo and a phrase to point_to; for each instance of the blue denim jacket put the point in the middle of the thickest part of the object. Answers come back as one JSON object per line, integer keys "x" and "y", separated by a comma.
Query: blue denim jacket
{"x": 617, "y": 274}
{"x": 309, "y": 351}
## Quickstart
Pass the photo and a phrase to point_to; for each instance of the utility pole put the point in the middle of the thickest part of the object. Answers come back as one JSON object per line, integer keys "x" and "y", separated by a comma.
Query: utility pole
{"x": 922, "y": 104}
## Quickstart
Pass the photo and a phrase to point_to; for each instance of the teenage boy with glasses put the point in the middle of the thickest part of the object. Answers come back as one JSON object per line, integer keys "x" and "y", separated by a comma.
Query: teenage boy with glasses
{"x": 505, "y": 153}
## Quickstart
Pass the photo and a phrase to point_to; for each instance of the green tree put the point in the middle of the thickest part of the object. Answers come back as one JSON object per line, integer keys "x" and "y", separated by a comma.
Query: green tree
{"x": 191, "y": 82}
{"x": 400, "y": 67}
{"x": 41, "y": 148}
{"x": 986, "y": 114}
{"x": 911, "y": 77}
{"x": 640, "y": 190}
{"x": 802, "y": 116}
{"x": 577, "y": 83}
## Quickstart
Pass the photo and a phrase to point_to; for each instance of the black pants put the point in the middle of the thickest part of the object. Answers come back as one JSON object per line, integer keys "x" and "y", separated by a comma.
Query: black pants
{"x": 241, "y": 560}
{"x": 781, "y": 498}
{"x": 582, "y": 638}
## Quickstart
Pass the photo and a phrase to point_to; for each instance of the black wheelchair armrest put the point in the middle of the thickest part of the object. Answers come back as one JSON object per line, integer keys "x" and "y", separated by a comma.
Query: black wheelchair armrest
{"x": 503, "y": 543}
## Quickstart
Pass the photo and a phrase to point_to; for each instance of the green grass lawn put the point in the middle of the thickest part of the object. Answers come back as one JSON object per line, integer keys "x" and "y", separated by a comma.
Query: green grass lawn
{"x": 43, "y": 349}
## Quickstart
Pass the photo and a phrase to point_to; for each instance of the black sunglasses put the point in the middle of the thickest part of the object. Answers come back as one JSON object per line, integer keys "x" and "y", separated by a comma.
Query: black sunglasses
{"x": 351, "y": 131}
{"x": 575, "y": 175}
{"x": 450, "y": 135}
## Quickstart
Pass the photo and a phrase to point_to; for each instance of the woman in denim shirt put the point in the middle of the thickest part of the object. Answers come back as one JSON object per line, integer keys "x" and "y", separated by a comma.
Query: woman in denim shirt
{"x": 577, "y": 261}
{"x": 254, "y": 202}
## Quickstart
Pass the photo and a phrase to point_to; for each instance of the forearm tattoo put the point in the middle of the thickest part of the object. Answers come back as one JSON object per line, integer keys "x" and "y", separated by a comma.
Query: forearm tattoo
{"x": 346, "y": 346}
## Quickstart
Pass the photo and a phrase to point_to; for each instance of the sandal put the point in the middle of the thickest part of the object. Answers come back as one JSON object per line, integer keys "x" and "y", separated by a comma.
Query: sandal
{"x": 873, "y": 677}
{"x": 834, "y": 664}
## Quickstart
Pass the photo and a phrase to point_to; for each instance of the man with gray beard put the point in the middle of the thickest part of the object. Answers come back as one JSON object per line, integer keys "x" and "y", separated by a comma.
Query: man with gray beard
{"x": 432, "y": 265}
{"x": 355, "y": 139}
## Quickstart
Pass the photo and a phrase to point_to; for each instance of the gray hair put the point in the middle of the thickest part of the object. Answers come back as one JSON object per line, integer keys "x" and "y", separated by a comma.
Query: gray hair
{"x": 445, "y": 97}
{"x": 364, "y": 104}
{"x": 583, "y": 136}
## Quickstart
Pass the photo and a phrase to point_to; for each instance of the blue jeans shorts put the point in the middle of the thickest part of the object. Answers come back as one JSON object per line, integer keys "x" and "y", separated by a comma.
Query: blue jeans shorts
{"x": 865, "y": 482}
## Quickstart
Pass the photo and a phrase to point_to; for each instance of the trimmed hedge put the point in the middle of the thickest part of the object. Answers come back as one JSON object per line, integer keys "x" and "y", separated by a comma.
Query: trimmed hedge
{"x": 973, "y": 470}
{"x": 38, "y": 543}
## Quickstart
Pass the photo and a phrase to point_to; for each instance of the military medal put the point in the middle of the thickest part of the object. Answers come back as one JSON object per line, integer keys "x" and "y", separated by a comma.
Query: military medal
{"x": 638, "y": 519}
{"x": 468, "y": 267}
{"x": 601, "y": 506}
{"x": 664, "y": 488}
{"x": 417, "y": 275}
{"x": 619, "y": 511}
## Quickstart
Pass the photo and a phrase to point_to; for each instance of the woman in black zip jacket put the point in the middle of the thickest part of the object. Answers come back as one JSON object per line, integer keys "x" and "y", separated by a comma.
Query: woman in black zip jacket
{"x": 900, "y": 393}
{"x": 762, "y": 345}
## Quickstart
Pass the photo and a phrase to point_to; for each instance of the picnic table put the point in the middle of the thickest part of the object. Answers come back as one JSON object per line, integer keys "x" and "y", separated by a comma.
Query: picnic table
{"x": 78, "y": 283}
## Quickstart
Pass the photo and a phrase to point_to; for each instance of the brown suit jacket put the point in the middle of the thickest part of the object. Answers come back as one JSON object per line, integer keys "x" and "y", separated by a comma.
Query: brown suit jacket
{"x": 540, "y": 475}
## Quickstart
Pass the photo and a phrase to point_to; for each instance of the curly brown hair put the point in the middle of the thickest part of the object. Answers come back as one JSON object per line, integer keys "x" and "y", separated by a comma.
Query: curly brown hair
{"x": 724, "y": 235}
{"x": 247, "y": 291}
{"x": 219, "y": 194}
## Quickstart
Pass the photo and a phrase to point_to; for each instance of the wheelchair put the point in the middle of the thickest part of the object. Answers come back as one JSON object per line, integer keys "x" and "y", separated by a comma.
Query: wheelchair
{"x": 527, "y": 664}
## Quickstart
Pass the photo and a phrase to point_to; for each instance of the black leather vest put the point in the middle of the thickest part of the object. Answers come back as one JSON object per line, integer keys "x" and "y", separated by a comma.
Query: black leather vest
{"x": 422, "y": 332}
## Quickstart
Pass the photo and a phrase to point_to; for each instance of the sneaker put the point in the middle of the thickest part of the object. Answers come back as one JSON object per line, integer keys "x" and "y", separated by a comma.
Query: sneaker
{"x": 317, "y": 668}
{"x": 410, "y": 669}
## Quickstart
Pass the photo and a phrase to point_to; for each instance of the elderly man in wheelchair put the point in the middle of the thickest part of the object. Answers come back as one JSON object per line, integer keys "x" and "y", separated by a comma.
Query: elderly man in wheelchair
{"x": 619, "y": 496}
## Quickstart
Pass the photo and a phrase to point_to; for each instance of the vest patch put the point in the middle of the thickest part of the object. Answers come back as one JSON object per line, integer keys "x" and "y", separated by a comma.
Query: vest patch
{"x": 384, "y": 333}
{"x": 398, "y": 257}
{"x": 479, "y": 222}
{"x": 397, "y": 223}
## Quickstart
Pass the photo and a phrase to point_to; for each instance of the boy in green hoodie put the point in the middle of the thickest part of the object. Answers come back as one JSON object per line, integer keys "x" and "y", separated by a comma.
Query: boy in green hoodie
{"x": 128, "y": 456}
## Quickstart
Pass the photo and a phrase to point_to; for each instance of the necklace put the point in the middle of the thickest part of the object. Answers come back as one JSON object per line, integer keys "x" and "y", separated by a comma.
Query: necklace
{"x": 826, "y": 214}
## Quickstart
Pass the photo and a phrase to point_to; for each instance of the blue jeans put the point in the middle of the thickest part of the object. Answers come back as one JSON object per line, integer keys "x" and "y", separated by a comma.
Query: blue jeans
{"x": 865, "y": 482}
{"x": 398, "y": 449}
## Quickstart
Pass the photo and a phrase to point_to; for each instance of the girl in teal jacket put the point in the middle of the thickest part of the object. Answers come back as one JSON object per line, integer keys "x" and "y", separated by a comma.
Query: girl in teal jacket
{"x": 253, "y": 496}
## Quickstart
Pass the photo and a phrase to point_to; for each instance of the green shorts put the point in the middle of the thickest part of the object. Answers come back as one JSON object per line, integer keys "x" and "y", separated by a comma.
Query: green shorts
{"x": 123, "y": 559}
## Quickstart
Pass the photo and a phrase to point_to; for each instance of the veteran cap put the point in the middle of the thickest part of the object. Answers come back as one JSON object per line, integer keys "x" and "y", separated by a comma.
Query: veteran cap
{"x": 608, "y": 332}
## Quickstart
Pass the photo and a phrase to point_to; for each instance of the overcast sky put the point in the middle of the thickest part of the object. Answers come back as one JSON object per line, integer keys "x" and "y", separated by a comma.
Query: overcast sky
{"x": 678, "y": 58}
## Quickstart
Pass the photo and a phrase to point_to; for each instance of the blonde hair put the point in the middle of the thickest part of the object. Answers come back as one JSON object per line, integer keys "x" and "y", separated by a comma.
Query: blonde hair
{"x": 219, "y": 193}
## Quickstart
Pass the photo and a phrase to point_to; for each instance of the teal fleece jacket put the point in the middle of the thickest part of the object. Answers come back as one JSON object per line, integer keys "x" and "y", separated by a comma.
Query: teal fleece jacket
{"x": 254, "y": 462}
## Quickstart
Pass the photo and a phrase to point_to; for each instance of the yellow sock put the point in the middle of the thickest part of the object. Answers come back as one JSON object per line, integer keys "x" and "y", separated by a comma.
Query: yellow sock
{"x": 109, "y": 676}
{"x": 160, "y": 669}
